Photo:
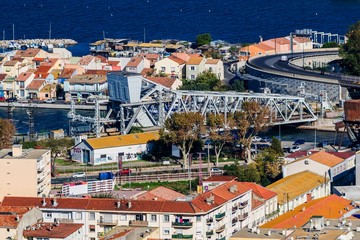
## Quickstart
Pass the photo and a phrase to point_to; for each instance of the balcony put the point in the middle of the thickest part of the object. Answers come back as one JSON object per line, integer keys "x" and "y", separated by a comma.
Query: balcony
{"x": 219, "y": 216}
{"x": 210, "y": 233}
{"x": 243, "y": 205}
{"x": 41, "y": 178}
{"x": 223, "y": 238}
{"x": 40, "y": 168}
{"x": 242, "y": 217}
{"x": 135, "y": 223}
{"x": 209, "y": 221}
{"x": 181, "y": 236}
{"x": 103, "y": 222}
{"x": 234, "y": 209}
{"x": 220, "y": 229}
{"x": 65, "y": 220}
{"x": 182, "y": 225}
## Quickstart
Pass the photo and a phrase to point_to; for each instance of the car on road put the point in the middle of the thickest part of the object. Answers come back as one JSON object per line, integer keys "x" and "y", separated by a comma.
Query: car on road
{"x": 79, "y": 175}
{"x": 256, "y": 139}
{"x": 23, "y": 100}
{"x": 124, "y": 171}
{"x": 294, "y": 149}
{"x": 284, "y": 58}
{"x": 265, "y": 139}
{"x": 299, "y": 142}
{"x": 2, "y": 99}
{"x": 12, "y": 99}
{"x": 50, "y": 100}
{"x": 356, "y": 147}
{"x": 216, "y": 170}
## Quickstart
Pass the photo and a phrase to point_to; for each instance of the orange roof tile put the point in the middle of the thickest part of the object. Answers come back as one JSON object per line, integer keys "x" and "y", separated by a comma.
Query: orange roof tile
{"x": 184, "y": 56}
{"x": 165, "y": 81}
{"x": 35, "y": 84}
{"x": 332, "y": 207}
{"x": 30, "y": 52}
{"x": 97, "y": 72}
{"x": 10, "y": 63}
{"x": 220, "y": 178}
{"x": 85, "y": 60}
{"x": 325, "y": 158}
{"x": 281, "y": 41}
{"x": 67, "y": 73}
{"x": 194, "y": 60}
{"x": 43, "y": 69}
{"x": 134, "y": 62}
{"x": 212, "y": 61}
{"x": 113, "y": 63}
{"x": 176, "y": 59}
{"x": 8, "y": 215}
{"x": 48, "y": 230}
{"x": 261, "y": 191}
{"x": 147, "y": 71}
{"x": 301, "y": 39}
{"x": 166, "y": 193}
{"x": 24, "y": 76}
{"x": 295, "y": 185}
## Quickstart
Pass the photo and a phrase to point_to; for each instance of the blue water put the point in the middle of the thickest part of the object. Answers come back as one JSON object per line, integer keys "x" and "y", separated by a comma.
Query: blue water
{"x": 235, "y": 21}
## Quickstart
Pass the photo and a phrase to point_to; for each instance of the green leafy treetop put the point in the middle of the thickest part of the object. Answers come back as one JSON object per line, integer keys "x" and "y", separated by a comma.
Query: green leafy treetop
{"x": 203, "y": 39}
{"x": 182, "y": 129}
{"x": 351, "y": 50}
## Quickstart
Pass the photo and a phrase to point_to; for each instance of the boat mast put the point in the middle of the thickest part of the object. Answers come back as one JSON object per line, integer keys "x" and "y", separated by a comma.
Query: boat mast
{"x": 50, "y": 32}
{"x": 144, "y": 36}
{"x": 3, "y": 40}
{"x": 13, "y": 32}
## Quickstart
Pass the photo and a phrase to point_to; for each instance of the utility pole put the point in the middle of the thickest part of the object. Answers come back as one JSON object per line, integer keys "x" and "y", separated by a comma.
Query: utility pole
{"x": 200, "y": 168}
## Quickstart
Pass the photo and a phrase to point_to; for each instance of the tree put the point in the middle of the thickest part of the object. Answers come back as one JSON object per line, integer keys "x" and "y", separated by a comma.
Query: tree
{"x": 203, "y": 39}
{"x": 238, "y": 86}
{"x": 330, "y": 45}
{"x": 219, "y": 132}
{"x": 7, "y": 131}
{"x": 205, "y": 81}
{"x": 182, "y": 129}
{"x": 276, "y": 146}
{"x": 350, "y": 51}
{"x": 248, "y": 122}
{"x": 244, "y": 173}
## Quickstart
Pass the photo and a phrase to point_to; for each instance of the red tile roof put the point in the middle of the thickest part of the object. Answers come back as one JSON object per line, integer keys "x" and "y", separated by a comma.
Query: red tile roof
{"x": 49, "y": 230}
{"x": 67, "y": 73}
{"x": 24, "y": 76}
{"x": 262, "y": 192}
{"x": 165, "y": 81}
{"x": 212, "y": 61}
{"x": 35, "y": 84}
{"x": 3, "y": 76}
{"x": 30, "y": 52}
{"x": 147, "y": 71}
{"x": 134, "y": 62}
{"x": 85, "y": 60}
{"x": 326, "y": 158}
{"x": 220, "y": 179}
{"x": 8, "y": 216}
{"x": 166, "y": 193}
{"x": 255, "y": 203}
{"x": 333, "y": 207}
{"x": 177, "y": 60}
{"x": 97, "y": 72}
{"x": 113, "y": 63}
{"x": 43, "y": 69}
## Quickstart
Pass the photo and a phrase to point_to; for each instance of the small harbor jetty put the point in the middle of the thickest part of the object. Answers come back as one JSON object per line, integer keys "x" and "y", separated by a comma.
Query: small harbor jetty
{"x": 36, "y": 43}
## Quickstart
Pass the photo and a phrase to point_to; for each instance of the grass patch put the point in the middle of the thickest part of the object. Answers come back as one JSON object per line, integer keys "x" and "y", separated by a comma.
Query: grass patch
{"x": 63, "y": 162}
{"x": 180, "y": 186}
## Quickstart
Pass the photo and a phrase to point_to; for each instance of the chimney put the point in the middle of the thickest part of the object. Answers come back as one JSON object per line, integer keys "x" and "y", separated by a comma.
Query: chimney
{"x": 129, "y": 204}
{"x": 118, "y": 204}
{"x": 17, "y": 150}
{"x": 17, "y": 218}
{"x": 54, "y": 202}
{"x": 233, "y": 188}
{"x": 44, "y": 202}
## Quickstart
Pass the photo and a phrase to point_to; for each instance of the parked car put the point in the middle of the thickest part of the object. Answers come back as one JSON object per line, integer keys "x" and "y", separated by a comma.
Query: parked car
{"x": 79, "y": 175}
{"x": 50, "y": 100}
{"x": 2, "y": 99}
{"x": 299, "y": 142}
{"x": 124, "y": 171}
{"x": 356, "y": 147}
{"x": 322, "y": 144}
{"x": 295, "y": 149}
{"x": 23, "y": 100}
{"x": 12, "y": 99}
{"x": 265, "y": 139}
{"x": 216, "y": 170}
{"x": 256, "y": 139}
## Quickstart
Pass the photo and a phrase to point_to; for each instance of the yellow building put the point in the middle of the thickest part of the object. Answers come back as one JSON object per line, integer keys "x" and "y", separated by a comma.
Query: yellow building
{"x": 25, "y": 172}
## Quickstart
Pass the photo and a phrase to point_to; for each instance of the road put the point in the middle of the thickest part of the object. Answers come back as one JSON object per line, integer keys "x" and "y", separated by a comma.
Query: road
{"x": 272, "y": 63}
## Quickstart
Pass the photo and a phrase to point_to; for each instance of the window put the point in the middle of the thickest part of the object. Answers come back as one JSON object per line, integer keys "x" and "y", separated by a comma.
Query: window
{"x": 92, "y": 228}
{"x": 163, "y": 69}
{"x": 306, "y": 162}
{"x": 210, "y": 69}
{"x": 166, "y": 231}
{"x": 198, "y": 218}
{"x": 48, "y": 215}
{"x": 123, "y": 217}
{"x": 192, "y": 77}
{"x": 103, "y": 157}
{"x": 153, "y": 218}
{"x": 166, "y": 218}
{"x": 78, "y": 215}
{"x": 192, "y": 68}
{"x": 91, "y": 216}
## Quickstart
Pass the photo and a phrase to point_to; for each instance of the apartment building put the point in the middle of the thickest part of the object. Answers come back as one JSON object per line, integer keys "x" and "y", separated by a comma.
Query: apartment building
{"x": 216, "y": 214}
{"x": 194, "y": 67}
{"x": 24, "y": 172}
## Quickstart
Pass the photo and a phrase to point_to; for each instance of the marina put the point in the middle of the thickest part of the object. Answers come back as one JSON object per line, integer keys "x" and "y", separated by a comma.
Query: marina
{"x": 36, "y": 43}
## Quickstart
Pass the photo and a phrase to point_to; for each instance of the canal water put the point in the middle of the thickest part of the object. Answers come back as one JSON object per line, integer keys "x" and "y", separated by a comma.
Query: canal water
{"x": 46, "y": 120}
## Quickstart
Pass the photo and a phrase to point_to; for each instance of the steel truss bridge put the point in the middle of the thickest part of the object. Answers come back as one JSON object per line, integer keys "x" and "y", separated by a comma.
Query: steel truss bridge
{"x": 156, "y": 103}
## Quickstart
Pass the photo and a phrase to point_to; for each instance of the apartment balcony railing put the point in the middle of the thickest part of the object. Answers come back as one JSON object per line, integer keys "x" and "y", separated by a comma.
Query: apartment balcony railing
{"x": 135, "y": 223}
{"x": 107, "y": 222}
{"x": 181, "y": 236}
{"x": 234, "y": 209}
{"x": 219, "y": 216}
{"x": 210, "y": 233}
{"x": 182, "y": 225}
{"x": 220, "y": 229}
{"x": 40, "y": 168}
{"x": 65, "y": 220}
{"x": 223, "y": 238}
{"x": 243, "y": 205}
{"x": 41, "y": 178}
{"x": 242, "y": 217}
{"x": 209, "y": 221}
